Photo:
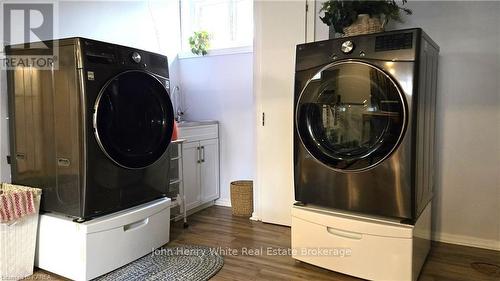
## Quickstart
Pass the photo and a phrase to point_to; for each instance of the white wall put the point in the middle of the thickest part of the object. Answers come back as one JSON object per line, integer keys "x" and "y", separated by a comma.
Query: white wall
{"x": 220, "y": 88}
{"x": 468, "y": 124}
{"x": 149, "y": 25}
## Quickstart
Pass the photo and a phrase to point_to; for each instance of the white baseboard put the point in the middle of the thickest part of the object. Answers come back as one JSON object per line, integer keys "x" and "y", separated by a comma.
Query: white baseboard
{"x": 223, "y": 202}
{"x": 466, "y": 241}
{"x": 255, "y": 217}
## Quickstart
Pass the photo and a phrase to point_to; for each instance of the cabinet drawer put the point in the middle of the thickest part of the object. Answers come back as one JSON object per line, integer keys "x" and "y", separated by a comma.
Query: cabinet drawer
{"x": 83, "y": 251}
{"x": 198, "y": 133}
{"x": 110, "y": 249}
{"x": 352, "y": 246}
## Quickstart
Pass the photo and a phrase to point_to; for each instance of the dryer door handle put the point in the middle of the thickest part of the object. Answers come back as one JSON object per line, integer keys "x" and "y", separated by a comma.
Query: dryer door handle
{"x": 344, "y": 233}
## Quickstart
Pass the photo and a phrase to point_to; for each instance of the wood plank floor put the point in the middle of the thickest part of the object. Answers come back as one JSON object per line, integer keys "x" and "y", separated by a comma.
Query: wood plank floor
{"x": 216, "y": 227}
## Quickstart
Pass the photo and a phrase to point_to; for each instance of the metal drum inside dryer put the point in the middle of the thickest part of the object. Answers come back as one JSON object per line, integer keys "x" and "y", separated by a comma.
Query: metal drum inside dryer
{"x": 350, "y": 116}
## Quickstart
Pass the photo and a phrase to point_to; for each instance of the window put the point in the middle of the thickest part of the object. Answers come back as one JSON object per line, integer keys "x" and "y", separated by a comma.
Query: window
{"x": 229, "y": 22}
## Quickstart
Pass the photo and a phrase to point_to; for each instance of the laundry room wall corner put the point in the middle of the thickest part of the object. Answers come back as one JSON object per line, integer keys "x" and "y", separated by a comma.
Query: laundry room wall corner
{"x": 218, "y": 86}
{"x": 149, "y": 25}
{"x": 224, "y": 95}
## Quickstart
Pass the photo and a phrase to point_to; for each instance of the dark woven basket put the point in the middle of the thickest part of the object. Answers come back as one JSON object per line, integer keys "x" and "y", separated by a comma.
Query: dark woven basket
{"x": 364, "y": 25}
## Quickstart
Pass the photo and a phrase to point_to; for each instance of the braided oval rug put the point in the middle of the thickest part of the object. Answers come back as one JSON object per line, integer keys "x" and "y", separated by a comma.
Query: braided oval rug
{"x": 176, "y": 263}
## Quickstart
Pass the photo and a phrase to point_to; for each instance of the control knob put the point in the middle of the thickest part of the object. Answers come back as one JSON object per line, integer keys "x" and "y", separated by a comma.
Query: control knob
{"x": 136, "y": 57}
{"x": 347, "y": 47}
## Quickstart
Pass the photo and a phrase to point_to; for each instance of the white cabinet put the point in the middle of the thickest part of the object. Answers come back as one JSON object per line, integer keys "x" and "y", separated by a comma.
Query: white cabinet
{"x": 200, "y": 164}
{"x": 191, "y": 169}
{"x": 209, "y": 170}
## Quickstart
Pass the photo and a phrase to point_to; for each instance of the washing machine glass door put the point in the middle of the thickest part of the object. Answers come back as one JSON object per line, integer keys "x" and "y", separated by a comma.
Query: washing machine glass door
{"x": 133, "y": 119}
{"x": 351, "y": 116}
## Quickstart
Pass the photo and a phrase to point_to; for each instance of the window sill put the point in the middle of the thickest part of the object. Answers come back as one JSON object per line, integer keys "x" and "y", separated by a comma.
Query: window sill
{"x": 218, "y": 52}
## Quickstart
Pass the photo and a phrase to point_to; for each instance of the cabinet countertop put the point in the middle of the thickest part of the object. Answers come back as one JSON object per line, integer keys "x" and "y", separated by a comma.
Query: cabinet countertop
{"x": 196, "y": 123}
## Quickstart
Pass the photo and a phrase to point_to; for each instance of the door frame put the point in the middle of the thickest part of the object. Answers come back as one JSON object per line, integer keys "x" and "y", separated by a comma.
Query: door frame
{"x": 304, "y": 10}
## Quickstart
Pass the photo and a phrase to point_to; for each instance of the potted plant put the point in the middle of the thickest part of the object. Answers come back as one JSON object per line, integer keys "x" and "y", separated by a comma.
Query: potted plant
{"x": 362, "y": 16}
{"x": 199, "y": 43}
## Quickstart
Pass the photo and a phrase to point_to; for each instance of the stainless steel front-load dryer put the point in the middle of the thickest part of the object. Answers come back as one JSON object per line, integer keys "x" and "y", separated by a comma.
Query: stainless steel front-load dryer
{"x": 94, "y": 131}
{"x": 364, "y": 123}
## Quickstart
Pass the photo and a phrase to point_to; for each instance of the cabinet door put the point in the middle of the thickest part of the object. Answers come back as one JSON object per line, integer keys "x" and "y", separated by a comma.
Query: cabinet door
{"x": 209, "y": 170}
{"x": 191, "y": 174}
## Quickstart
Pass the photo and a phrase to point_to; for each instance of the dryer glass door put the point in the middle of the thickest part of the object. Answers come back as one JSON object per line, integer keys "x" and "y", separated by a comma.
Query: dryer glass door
{"x": 351, "y": 116}
{"x": 133, "y": 119}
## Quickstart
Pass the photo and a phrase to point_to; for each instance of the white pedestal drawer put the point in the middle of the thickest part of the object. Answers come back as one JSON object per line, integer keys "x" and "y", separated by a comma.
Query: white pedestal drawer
{"x": 367, "y": 248}
{"x": 83, "y": 251}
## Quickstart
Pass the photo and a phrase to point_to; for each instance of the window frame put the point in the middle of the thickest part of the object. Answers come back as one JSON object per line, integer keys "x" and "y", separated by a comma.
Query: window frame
{"x": 185, "y": 52}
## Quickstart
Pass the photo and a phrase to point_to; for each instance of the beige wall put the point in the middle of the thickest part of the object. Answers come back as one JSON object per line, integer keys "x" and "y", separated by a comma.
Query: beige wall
{"x": 468, "y": 139}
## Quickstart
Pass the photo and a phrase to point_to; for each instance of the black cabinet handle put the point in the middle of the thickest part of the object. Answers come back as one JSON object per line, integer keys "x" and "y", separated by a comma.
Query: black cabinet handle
{"x": 199, "y": 155}
{"x": 203, "y": 154}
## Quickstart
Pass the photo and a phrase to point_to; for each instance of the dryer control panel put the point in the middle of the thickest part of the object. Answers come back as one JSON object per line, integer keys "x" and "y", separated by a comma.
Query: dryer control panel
{"x": 397, "y": 45}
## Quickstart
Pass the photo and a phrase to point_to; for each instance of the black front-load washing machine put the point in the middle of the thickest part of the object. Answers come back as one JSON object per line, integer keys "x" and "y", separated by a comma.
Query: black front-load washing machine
{"x": 93, "y": 130}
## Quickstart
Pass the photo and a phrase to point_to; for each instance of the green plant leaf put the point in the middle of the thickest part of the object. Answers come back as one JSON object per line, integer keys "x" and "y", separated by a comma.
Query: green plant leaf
{"x": 199, "y": 42}
{"x": 340, "y": 14}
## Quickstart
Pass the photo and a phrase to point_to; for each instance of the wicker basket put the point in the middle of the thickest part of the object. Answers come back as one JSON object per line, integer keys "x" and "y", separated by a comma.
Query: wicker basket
{"x": 18, "y": 239}
{"x": 364, "y": 25}
{"x": 242, "y": 198}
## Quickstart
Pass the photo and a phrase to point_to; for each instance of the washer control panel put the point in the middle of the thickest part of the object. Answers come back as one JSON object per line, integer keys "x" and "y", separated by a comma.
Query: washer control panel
{"x": 136, "y": 57}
